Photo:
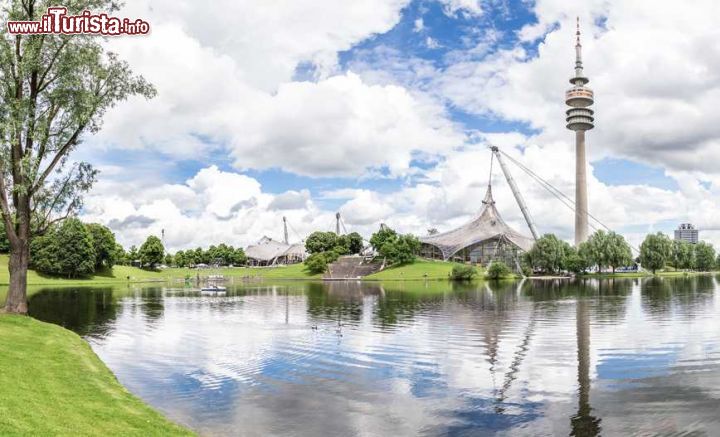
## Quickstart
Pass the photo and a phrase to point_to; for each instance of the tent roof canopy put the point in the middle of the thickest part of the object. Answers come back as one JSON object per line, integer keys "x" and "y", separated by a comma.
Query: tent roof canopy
{"x": 268, "y": 250}
{"x": 488, "y": 225}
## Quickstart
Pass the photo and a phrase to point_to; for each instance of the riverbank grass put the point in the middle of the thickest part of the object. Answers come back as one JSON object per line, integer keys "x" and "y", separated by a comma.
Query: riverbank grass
{"x": 419, "y": 270}
{"x": 120, "y": 274}
{"x": 54, "y": 384}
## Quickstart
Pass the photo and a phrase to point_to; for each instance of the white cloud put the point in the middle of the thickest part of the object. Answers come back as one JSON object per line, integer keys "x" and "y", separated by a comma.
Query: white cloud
{"x": 212, "y": 207}
{"x": 269, "y": 39}
{"x": 338, "y": 126}
{"x": 228, "y": 90}
{"x": 341, "y": 127}
{"x": 654, "y": 72}
{"x": 453, "y": 7}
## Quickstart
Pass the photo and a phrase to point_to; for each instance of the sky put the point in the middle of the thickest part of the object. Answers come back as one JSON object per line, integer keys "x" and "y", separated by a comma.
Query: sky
{"x": 384, "y": 110}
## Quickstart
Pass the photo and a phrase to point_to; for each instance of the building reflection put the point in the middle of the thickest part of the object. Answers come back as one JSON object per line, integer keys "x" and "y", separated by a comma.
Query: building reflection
{"x": 584, "y": 424}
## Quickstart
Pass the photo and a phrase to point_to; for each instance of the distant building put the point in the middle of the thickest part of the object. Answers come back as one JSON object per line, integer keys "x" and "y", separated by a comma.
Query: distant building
{"x": 268, "y": 252}
{"x": 687, "y": 232}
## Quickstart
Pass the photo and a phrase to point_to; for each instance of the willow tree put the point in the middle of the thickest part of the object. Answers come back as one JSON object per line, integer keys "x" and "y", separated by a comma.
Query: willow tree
{"x": 54, "y": 91}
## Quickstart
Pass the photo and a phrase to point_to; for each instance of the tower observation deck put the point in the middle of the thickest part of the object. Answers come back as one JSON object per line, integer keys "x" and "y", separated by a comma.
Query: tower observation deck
{"x": 580, "y": 118}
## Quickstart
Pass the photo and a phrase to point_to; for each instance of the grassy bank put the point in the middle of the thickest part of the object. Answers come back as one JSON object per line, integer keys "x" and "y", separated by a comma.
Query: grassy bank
{"x": 120, "y": 274}
{"x": 419, "y": 270}
{"x": 53, "y": 384}
{"x": 645, "y": 274}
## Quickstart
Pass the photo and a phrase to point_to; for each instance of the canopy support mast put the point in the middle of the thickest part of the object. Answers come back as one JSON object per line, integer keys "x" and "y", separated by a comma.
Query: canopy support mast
{"x": 516, "y": 192}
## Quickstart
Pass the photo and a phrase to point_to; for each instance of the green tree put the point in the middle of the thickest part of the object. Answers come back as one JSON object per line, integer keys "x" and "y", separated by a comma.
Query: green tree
{"x": 549, "y": 254}
{"x": 498, "y": 270}
{"x": 595, "y": 249}
{"x": 617, "y": 252}
{"x": 575, "y": 261}
{"x": 54, "y": 90}
{"x": 151, "y": 252}
{"x": 316, "y": 263}
{"x": 655, "y": 251}
{"x": 179, "y": 258}
{"x": 401, "y": 250}
{"x": 355, "y": 242}
{"x": 683, "y": 255}
{"x": 120, "y": 256}
{"x": 379, "y": 238}
{"x": 169, "y": 260}
{"x": 319, "y": 242}
{"x": 103, "y": 244}
{"x": 704, "y": 257}
{"x": 65, "y": 250}
{"x": 133, "y": 255}
{"x": 238, "y": 257}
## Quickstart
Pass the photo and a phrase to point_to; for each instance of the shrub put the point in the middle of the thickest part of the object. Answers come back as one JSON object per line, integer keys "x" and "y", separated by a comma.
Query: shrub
{"x": 463, "y": 272}
{"x": 498, "y": 270}
{"x": 318, "y": 262}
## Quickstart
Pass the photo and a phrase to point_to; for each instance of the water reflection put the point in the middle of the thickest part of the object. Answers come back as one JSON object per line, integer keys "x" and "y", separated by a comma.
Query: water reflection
{"x": 579, "y": 358}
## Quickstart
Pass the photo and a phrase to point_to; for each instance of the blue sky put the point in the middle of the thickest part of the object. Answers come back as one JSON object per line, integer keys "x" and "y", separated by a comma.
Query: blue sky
{"x": 384, "y": 109}
{"x": 498, "y": 28}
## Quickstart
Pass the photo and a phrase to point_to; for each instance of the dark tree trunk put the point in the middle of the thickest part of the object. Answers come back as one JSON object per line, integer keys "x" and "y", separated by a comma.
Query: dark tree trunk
{"x": 16, "y": 302}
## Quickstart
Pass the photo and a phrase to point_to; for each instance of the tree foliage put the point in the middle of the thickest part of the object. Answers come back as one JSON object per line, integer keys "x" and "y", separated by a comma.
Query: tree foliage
{"x": 606, "y": 250}
{"x": 318, "y": 262}
{"x": 65, "y": 250}
{"x": 683, "y": 255}
{"x": 549, "y": 254}
{"x": 463, "y": 272}
{"x": 151, "y": 252}
{"x": 319, "y": 242}
{"x": 498, "y": 270}
{"x": 617, "y": 251}
{"x": 354, "y": 242}
{"x": 121, "y": 257}
{"x": 402, "y": 249}
{"x": 382, "y": 236}
{"x": 655, "y": 251}
{"x": 704, "y": 257}
{"x": 54, "y": 89}
{"x": 104, "y": 245}
{"x": 222, "y": 254}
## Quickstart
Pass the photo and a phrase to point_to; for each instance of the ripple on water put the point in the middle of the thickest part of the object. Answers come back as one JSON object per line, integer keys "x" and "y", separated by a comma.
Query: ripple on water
{"x": 617, "y": 357}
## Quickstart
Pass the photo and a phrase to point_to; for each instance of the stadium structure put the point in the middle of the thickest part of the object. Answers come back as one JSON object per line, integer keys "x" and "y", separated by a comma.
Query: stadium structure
{"x": 487, "y": 237}
{"x": 269, "y": 252}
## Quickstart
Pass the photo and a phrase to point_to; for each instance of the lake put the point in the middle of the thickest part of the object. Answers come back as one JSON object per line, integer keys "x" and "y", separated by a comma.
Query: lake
{"x": 591, "y": 357}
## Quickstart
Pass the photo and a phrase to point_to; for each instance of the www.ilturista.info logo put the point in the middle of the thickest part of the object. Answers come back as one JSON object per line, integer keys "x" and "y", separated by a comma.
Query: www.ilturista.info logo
{"x": 57, "y": 21}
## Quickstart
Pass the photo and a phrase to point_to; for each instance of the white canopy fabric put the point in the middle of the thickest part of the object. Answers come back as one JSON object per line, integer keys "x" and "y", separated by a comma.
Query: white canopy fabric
{"x": 488, "y": 225}
{"x": 268, "y": 250}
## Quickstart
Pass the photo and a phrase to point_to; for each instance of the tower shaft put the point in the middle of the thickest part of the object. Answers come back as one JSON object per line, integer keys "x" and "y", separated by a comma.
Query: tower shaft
{"x": 581, "y": 194}
{"x": 580, "y": 118}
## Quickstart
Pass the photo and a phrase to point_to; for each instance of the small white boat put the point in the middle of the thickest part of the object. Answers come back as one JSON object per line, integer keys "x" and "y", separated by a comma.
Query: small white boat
{"x": 214, "y": 288}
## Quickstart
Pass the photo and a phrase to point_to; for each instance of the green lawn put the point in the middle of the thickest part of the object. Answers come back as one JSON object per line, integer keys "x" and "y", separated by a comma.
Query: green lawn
{"x": 644, "y": 274}
{"x": 53, "y": 384}
{"x": 120, "y": 274}
{"x": 419, "y": 270}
